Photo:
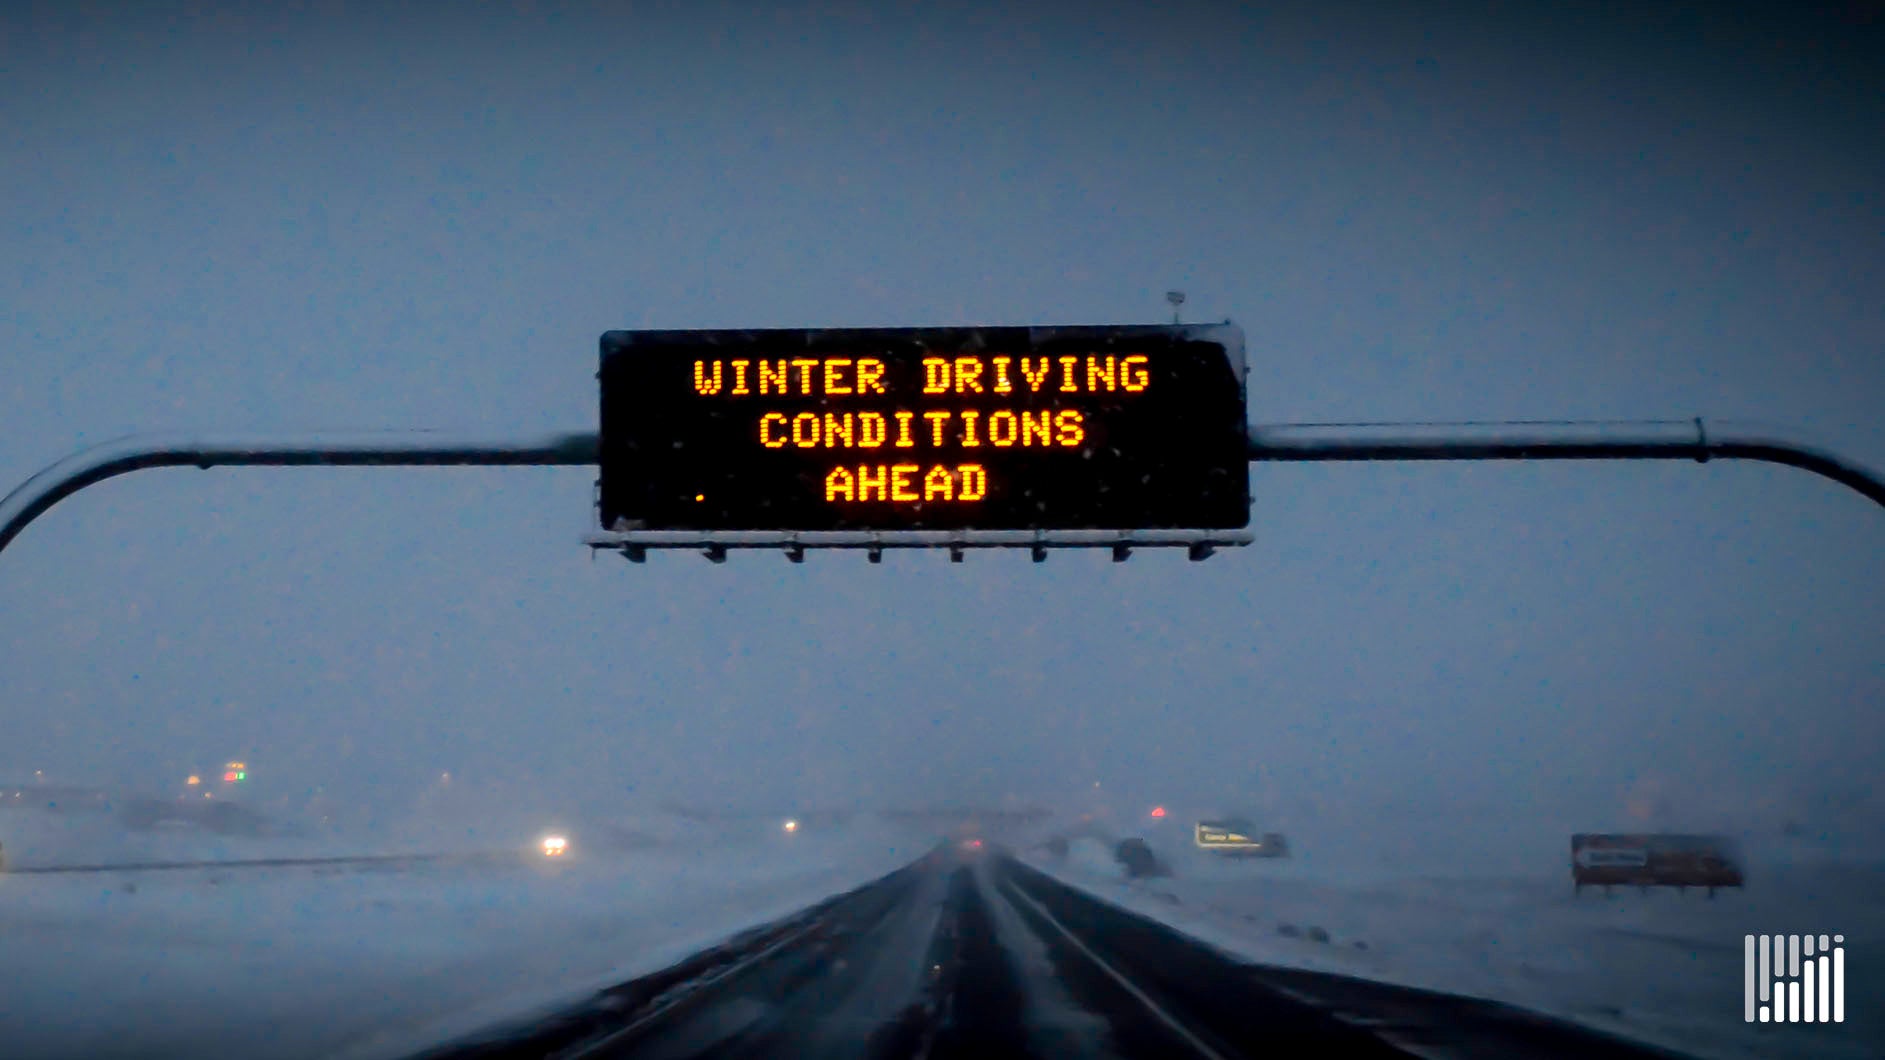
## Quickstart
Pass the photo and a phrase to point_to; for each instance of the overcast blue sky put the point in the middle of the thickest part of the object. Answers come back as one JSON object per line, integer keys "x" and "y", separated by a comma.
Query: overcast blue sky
{"x": 281, "y": 217}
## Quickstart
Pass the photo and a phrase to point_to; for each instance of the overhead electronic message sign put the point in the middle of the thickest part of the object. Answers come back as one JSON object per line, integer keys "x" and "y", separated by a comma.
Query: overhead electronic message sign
{"x": 924, "y": 429}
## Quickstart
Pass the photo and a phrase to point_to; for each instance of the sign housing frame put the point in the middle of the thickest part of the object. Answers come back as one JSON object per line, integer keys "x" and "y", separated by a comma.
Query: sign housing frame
{"x": 634, "y": 537}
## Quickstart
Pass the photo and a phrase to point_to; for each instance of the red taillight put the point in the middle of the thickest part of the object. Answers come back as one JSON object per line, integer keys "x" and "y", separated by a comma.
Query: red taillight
{"x": 1158, "y": 811}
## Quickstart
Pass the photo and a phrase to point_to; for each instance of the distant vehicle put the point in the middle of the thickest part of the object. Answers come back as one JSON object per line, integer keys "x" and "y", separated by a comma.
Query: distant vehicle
{"x": 1139, "y": 860}
{"x": 1235, "y": 837}
{"x": 1654, "y": 860}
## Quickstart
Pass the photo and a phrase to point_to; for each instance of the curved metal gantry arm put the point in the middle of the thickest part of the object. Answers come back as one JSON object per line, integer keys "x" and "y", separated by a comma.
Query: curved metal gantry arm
{"x": 382, "y": 449}
{"x": 1558, "y": 440}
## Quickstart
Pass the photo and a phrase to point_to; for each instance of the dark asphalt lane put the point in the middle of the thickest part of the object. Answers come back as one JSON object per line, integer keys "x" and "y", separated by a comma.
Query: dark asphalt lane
{"x": 970, "y": 954}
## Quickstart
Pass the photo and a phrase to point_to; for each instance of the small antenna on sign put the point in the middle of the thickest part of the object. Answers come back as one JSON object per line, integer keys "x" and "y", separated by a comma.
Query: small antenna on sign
{"x": 1176, "y": 298}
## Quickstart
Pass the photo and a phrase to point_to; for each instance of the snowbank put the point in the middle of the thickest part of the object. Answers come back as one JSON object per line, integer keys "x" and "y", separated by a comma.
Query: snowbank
{"x": 1662, "y": 966}
{"x": 306, "y": 962}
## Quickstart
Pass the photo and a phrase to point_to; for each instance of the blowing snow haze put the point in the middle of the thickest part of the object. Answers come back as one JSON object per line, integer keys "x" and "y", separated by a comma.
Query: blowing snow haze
{"x": 251, "y": 217}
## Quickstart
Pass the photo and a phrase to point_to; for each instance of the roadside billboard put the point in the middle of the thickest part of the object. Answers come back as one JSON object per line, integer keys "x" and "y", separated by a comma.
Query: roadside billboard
{"x": 1235, "y": 837}
{"x": 1654, "y": 860}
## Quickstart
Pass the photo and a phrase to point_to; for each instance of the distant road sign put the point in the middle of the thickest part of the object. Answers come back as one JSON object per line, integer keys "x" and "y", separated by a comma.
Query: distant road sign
{"x": 1236, "y": 836}
{"x": 1654, "y": 860}
{"x": 1125, "y": 428}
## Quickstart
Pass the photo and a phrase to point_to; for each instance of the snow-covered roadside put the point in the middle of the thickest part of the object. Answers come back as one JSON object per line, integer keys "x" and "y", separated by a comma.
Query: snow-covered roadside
{"x": 304, "y": 963}
{"x": 37, "y": 840}
{"x": 1661, "y": 967}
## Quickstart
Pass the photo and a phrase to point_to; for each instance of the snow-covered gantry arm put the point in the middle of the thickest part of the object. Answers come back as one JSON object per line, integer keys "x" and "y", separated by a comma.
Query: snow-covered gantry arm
{"x": 1557, "y": 440}
{"x": 378, "y": 449}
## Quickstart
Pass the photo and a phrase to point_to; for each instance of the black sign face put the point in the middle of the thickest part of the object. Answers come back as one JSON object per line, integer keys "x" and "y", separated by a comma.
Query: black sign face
{"x": 1074, "y": 428}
